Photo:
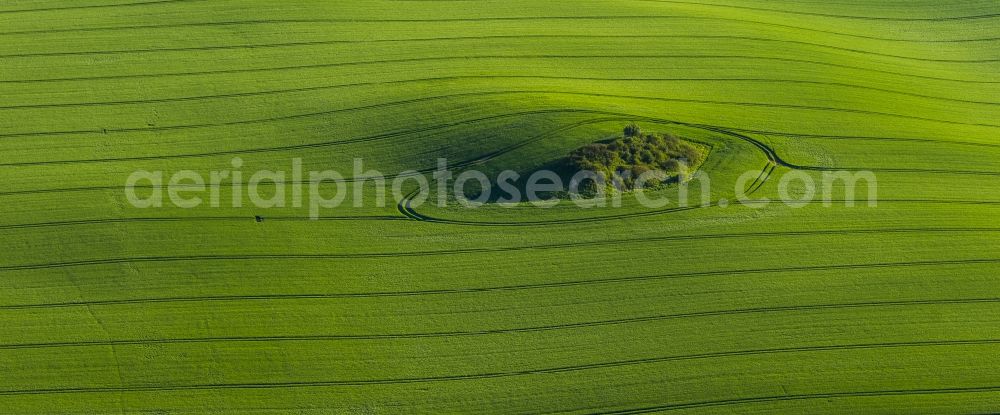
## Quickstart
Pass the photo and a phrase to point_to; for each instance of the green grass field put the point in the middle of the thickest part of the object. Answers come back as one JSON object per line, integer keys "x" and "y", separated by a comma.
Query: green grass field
{"x": 106, "y": 308}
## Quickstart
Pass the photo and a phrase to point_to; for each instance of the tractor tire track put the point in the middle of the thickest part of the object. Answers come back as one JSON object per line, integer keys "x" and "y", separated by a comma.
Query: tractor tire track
{"x": 475, "y": 20}
{"x": 871, "y": 138}
{"x": 831, "y": 15}
{"x": 802, "y": 397}
{"x": 357, "y": 255}
{"x": 405, "y": 206}
{"x": 480, "y": 77}
{"x": 195, "y": 219}
{"x": 483, "y": 95}
{"x": 483, "y": 57}
{"x": 552, "y": 370}
{"x": 505, "y": 288}
{"x": 502, "y": 331}
{"x": 356, "y": 140}
{"x": 96, "y": 6}
{"x": 495, "y": 37}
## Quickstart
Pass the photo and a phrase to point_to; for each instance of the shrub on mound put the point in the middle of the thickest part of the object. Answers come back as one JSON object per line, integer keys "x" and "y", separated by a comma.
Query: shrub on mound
{"x": 636, "y": 153}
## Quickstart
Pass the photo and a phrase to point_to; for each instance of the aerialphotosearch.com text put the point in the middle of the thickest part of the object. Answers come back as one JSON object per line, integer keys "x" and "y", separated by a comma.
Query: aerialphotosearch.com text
{"x": 330, "y": 189}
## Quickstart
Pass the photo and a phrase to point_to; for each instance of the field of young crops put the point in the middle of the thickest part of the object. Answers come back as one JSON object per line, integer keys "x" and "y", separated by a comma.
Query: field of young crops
{"x": 714, "y": 308}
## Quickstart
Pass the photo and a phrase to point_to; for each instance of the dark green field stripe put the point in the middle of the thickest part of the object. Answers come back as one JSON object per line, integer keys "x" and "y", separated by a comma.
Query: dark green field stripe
{"x": 96, "y": 6}
{"x": 501, "y": 331}
{"x": 554, "y": 370}
{"x": 484, "y": 94}
{"x": 802, "y": 397}
{"x": 478, "y": 77}
{"x": 409, "y": 212}
{"x": 498, "y": 37}
{"x": 473, "y": 20}
{"x": 413, "y": 214}
{"x": 462, "y": 164}
{"x": 899, "y": 170}
{"x": 505, "y": 288}
{"x": 774, "y": 157}
{"x": 869, "y": 138}
{"x": 722, "y": 130}
{"x": 355, "y": 140}
{"x": 466, "y": 58}
{"x": 838, "y": 16}
{"x": 194, "y": 219}
{"x": 299, "y": 116}
{"x": 615, "y": 242}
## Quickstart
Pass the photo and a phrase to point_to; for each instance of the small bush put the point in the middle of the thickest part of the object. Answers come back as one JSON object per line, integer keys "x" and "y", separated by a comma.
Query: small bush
{"x": 632, "y": 130}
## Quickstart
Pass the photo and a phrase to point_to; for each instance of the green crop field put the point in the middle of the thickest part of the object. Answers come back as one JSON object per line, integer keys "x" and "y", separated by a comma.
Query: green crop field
{"x": 825, "y": 300}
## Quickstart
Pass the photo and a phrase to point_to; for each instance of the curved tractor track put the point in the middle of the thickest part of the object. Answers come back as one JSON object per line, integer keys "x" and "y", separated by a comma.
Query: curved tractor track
{"x": 405, "y": 206}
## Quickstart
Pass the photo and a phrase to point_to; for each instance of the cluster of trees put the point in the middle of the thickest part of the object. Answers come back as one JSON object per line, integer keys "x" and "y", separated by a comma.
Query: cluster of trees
{"x": 637, "y": 153}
